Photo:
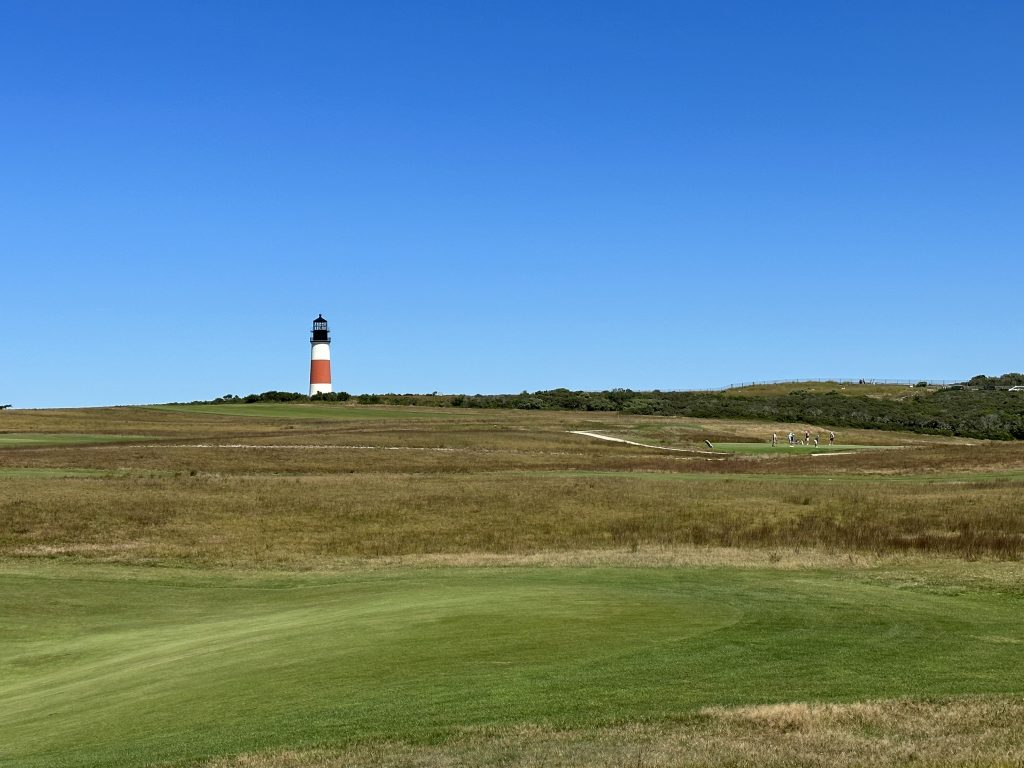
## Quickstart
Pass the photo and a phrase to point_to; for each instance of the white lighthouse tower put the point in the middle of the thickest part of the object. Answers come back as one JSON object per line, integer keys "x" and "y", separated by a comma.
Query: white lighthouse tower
{"x": 320, "y": 358}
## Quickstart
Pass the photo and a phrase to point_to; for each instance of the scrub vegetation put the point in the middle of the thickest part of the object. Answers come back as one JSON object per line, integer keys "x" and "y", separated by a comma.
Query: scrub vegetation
{"x": 324, "y": 584}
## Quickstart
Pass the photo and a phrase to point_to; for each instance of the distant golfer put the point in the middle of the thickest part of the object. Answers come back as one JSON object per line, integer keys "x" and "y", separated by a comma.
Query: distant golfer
{"x": 816, "y": 441}
{"x": 831, "y": 438}
{"x": 775, "y": 439}
{"x": 792, "y": 439}
{"x": 807, "y": 437}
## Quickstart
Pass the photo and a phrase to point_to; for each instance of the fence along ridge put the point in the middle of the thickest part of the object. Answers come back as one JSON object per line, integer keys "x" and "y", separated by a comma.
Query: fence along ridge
{"x": 904, "y": 382}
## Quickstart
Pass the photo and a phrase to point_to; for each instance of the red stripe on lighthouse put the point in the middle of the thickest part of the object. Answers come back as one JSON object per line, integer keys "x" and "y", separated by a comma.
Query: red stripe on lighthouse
{"x": 319, "y": 371}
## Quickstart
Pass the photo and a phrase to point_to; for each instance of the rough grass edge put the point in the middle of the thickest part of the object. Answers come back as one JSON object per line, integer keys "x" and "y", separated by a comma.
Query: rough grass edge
{"x": 971, "y": 730}
{"x": 639, "y": 556}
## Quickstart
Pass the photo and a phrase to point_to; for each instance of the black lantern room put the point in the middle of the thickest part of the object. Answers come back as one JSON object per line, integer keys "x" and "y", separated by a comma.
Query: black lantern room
{"x": 320, "y": 330}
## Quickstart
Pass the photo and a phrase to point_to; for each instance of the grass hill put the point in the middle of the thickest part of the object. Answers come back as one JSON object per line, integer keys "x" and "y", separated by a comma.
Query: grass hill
{"x": 985, "y": 410}
{"x": 886, "y": 391}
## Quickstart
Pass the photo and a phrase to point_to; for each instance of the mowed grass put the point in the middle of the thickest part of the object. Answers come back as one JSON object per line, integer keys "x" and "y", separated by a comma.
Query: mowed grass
{"x": 110, "y": 666}
{"x": 783, "y": 448}
{"x": 40, "y": 472}
{"x": 779, "y": 479}
{"x": 38, "y": 438}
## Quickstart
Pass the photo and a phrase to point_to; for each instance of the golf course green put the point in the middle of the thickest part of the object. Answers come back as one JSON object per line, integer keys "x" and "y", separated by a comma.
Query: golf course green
{"x": 127, "y": 666}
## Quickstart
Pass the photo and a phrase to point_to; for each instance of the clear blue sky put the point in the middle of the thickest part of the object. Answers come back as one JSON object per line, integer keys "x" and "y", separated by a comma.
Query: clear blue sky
{"x": 505, "y": 196}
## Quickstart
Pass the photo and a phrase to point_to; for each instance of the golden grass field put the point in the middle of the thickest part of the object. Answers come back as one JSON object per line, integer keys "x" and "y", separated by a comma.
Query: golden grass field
{"x": 313, "y": 492}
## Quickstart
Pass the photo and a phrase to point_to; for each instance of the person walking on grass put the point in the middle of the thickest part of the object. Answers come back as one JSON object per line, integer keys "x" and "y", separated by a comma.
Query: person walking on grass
{"x": 831, "y": 437}
{"x": 816, "y": 440}
{"x": 775, "y": 439}
{"x": 792, "y": 439}
{"x": 807, "y": 437}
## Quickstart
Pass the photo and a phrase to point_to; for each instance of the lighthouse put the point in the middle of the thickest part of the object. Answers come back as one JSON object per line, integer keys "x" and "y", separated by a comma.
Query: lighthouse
{"x": 320, "y": 358}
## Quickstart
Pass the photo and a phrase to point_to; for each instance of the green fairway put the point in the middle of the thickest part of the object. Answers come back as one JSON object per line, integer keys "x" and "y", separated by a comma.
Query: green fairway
{"x": 784, "y": 449}
{"x": 38, "y": 438}
{"x": 48, "y": 472}
{"x": 104, "y": 666}
{"x": 953, "y": 478}
{"x": 304, "y": 411}
{"x": 81, "y": 472}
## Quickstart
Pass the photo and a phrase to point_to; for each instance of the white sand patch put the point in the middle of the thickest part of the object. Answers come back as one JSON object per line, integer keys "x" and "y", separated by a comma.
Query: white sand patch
{"x": 599, "y": 436}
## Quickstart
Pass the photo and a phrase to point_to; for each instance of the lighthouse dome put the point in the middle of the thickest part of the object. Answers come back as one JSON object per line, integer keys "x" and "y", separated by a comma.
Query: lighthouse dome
{"x": 320, "y": 330}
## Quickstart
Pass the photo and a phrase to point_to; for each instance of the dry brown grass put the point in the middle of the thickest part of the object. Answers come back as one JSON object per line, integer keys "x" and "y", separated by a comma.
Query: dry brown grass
{"x": 971, "y": 731}
{"x": 310, "y": 493}
{"x": 280, "y": 521}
